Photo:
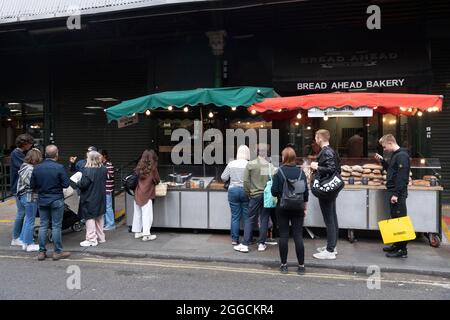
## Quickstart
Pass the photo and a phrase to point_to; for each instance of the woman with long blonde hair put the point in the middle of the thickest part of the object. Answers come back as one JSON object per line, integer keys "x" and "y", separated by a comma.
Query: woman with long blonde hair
{"x": 93, "y": 199}
{"x": 147, "y": 171}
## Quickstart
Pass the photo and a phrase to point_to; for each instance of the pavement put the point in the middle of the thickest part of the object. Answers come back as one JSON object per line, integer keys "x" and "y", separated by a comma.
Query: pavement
{"x": 216, "y": 247}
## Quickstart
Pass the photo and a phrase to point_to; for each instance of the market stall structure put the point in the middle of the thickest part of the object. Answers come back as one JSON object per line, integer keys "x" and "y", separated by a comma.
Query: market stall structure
{"x": 363, "y": 202}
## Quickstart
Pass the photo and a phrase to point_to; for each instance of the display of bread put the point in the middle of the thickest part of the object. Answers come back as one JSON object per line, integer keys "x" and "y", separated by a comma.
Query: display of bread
{"x": 372, "y": 166}
{"x": 377, "y": 176}
{"x": 346, "y": 168}
{"x": 371, "y": 171}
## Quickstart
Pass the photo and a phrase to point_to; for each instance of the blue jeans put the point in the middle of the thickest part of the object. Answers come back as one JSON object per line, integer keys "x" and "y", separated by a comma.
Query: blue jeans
{"x": 109, "y": 215}
{"x": 18, "y": 223}
{"x": 255, "y": 209}
{"x": 30, "y": 216}
{"x": 239, "y": 209}
{"x": 54, "y": 211}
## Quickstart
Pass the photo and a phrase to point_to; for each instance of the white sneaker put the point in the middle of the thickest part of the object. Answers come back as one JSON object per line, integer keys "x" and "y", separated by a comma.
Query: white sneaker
{"x": 88, "y": 243}
{"x": 241, "y": 248}
{"x": 325, "y": 255}
{"x": 325, "y": 248}
{"x": 262, "y": 247}
{"x": 149, "y": 238}
{"x": 100, "y": 241}
{"x": 17, "y": 242}
{"x": 138, "y": 235}
{"x": 32, "y": 248}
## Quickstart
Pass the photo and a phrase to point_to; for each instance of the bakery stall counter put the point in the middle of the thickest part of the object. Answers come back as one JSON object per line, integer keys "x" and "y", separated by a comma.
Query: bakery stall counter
{"x": 197, "y": 203}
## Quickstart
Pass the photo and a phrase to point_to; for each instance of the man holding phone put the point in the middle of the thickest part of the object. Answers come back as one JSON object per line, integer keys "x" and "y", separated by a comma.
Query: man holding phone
{"x": 397, "y": 180}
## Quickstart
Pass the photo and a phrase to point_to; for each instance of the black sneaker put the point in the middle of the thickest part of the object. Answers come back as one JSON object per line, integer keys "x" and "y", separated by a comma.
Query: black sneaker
{"x": 284, "y": 269}
{"x": 397, "y": 254}
{"x": 301, "y": 270}
{"x": 390, "y": 248}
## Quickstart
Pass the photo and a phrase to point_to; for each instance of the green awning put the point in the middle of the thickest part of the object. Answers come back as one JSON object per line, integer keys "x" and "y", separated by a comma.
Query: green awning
{"x": 230, "y": 97}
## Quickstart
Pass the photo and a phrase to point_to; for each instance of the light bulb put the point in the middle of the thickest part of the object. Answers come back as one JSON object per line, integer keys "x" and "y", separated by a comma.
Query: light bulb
{"x": 299, "y": 115}
{"x": 170, "y": 108}
{"x": 420, "y": 113}
{"x": 233, "y": 108}
{"x": 186, "y": 109}
{"x": 297, "y": 124}
{"x": 210, "y": 114}
{"x": 325, "y": 118}
{"x": 253, "y": 111}
{"x": 147, "y": 112}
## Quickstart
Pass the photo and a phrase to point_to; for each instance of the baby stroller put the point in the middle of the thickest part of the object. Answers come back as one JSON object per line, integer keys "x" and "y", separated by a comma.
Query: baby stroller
{"x": 70, "y": 218}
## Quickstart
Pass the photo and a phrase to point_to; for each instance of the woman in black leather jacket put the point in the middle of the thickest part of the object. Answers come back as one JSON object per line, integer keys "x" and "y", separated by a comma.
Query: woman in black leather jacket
{"x": 326, "y": 166}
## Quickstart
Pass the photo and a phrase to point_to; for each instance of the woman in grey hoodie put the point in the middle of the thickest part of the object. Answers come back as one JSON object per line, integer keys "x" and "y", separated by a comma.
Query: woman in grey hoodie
{"x": 28, "y": 198}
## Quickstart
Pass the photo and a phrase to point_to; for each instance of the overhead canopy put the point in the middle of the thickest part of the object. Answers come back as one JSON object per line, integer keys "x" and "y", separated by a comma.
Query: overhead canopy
{"x": 385, "y": 101}
{"x": 231, "y": 97}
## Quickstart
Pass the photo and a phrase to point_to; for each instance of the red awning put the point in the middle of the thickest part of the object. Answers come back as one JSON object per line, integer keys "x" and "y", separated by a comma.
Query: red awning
{"x": 386, "y": 102}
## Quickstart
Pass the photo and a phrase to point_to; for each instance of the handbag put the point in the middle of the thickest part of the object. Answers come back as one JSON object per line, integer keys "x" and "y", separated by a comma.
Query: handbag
{"x": 329, "y": 188}
{"x": 161, "y": 190}
{"x": 130, "y": 183}
{"x": 68, "y": 192}
{"x": 269, "y": 200}
{"x": 226, "y": 184}
{"x": 397, "y": 230}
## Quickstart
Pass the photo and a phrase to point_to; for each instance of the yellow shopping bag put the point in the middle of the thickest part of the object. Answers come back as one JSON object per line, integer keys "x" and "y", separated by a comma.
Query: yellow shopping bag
{"x": 397, "y": 230}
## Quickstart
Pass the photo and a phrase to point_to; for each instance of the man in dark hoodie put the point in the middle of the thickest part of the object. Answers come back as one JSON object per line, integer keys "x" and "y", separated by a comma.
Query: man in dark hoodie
{"x": 397, "y": 179}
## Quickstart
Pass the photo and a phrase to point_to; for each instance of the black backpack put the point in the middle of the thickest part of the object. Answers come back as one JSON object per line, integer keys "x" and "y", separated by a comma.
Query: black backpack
{"x": 130, "y": 183}
{"x": 292, "y": 197}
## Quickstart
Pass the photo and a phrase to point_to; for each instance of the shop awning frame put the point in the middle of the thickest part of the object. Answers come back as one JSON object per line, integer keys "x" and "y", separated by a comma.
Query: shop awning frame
{"x": 382, "y": 102}
{"x": 220, "y": 97}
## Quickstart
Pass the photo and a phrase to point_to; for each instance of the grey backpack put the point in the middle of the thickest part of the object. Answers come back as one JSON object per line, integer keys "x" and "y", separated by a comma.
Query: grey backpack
{"x": 292, "y": 197}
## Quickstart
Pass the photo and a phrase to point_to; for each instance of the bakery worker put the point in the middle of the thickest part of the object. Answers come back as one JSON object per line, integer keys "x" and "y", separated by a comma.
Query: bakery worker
{"x": 397, "y": 186}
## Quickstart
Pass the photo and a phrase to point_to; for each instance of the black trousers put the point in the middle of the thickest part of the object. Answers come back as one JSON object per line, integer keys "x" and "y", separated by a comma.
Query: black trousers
{"x": 328, "y": 208}
{"x": 296, "y": 219}
{"x": 398, "y": 210}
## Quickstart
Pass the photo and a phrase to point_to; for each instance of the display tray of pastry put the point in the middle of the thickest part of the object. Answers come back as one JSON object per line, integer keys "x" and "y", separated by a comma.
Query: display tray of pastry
{"x": 421, "y": 183}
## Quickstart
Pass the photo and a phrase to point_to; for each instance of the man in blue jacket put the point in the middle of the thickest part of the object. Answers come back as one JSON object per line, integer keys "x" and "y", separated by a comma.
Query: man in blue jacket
{"x": 48, "y": 180}
{"x": 24, "y": 142}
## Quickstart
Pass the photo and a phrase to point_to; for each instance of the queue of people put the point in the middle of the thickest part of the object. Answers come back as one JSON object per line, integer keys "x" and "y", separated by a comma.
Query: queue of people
{"x": 38, "y": 185}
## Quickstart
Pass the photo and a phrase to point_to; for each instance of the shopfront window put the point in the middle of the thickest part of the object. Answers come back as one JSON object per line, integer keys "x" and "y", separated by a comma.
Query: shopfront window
{"x": 17, "y": 118}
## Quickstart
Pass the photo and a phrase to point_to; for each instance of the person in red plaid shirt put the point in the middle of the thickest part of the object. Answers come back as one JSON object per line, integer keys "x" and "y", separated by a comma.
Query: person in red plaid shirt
{"x": 109, "y": 214}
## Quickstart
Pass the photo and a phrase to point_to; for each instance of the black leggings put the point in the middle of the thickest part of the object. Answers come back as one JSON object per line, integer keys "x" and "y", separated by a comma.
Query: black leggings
{"x": 296, "y": 218}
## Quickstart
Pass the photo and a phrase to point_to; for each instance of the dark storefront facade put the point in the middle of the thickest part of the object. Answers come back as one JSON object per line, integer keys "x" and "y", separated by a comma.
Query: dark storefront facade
{"x": 57, "y": 82}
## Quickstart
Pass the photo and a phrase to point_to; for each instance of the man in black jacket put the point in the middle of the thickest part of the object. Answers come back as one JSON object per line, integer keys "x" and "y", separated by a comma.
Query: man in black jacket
{"x": 397, "y": 180}
{"x": 326, "y": 166}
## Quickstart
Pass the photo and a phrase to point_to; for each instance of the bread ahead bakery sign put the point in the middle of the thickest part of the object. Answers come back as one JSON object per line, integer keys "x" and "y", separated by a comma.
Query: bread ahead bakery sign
{"x": 348, "y": 85}
{"x": 341, "y": 112}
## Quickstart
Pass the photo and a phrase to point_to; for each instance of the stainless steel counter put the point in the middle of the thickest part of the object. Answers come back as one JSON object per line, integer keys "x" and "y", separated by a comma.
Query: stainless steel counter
{"x": 357, "y": 208}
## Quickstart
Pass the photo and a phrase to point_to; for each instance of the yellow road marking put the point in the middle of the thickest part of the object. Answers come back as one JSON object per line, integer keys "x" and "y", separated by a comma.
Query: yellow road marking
{"x": 445, "y": 229}
{"x": 120, "y": 213}
{"x": 243, "y": 270}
